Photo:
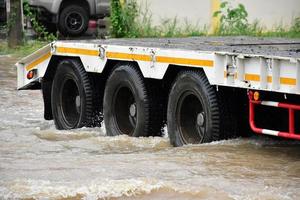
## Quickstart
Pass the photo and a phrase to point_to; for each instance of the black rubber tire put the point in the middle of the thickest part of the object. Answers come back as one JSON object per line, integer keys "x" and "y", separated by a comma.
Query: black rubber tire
{"x": 193, "y": 112}
{"x": 127, "y": 104}
{"x": 69, "y": 13}
{"x": 71, "y": 96}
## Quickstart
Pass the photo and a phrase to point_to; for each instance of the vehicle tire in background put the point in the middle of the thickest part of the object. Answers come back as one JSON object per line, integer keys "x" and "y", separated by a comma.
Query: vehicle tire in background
{"x": 71, "y": 96}
{"x": 73, "y": 20}
{"x": 127, "y": 104}
{"x": 193, "y": 112}
{"x": 50, "y": 27}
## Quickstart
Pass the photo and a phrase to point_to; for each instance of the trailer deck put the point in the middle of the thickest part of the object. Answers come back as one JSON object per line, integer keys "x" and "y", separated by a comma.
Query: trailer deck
{"x": 245, "y": 62}
{"x": 244, "y": 45}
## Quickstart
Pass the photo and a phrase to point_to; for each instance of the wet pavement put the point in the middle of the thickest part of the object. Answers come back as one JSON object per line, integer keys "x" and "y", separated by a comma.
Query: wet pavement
{"x": 39, "y": 162}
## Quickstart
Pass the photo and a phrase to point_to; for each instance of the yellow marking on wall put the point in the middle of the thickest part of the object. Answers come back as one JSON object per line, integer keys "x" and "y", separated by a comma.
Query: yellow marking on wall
{"x": 215, "y": 21}
{"x": 38, "y": 61}
{"x": 78, "y": 51}
{"x": 128, "y": 56}
{"x": 185, "y": 61}
{"x": 122, "y": 2}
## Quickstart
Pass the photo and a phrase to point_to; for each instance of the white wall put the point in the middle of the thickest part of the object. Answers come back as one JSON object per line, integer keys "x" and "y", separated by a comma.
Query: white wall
{"x": 269, "y": 12}
{"x": 272, "y": 12}
{"x": 195, "y": 11}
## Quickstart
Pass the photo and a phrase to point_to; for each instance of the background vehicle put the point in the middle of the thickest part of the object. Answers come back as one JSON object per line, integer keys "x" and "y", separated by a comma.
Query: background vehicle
{"x": 204, "y": 88}
{"x": 71, "y": 18}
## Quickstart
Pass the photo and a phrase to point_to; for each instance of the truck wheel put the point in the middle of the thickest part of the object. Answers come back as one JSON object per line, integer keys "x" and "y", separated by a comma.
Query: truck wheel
{"x": 71, "y": 96}
{"x": 193, "y": 113}
{"x": 73, "y": 20}
{"x": 127, "y": 104}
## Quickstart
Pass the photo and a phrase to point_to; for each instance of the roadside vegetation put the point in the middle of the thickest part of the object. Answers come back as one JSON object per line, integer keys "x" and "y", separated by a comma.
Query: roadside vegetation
{"x": 131, "y": 21}
{"x": 27, "y": 48}
{"x": 234, "y": 22}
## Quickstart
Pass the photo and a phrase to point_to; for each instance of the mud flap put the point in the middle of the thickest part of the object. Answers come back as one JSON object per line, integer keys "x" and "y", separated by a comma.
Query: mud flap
{"x": 46, "y": 90}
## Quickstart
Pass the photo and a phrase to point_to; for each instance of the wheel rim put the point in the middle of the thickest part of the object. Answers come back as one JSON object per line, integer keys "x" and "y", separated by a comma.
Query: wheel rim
{"x": 74, "y": 21}
{"x": 70, "y": 103}
{"x": 125, "y": 111}
{"x": 191, "y": 118}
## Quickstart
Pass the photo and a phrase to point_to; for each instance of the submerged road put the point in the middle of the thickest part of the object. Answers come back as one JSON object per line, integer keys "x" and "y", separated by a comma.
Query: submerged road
{"x": 39, "y": 162}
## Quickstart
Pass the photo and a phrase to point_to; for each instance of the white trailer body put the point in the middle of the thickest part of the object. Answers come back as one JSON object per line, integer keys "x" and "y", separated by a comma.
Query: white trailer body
{"x": 245, "y": 63}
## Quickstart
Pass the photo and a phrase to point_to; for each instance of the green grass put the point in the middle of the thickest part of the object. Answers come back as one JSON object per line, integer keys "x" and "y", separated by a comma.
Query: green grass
{"x": 168, "y": 28}
{"x": 256, "y": 30}
{"x": 280, "y": 31}
{"x": 21, "y": 51}
{"x": 173, "y": 28}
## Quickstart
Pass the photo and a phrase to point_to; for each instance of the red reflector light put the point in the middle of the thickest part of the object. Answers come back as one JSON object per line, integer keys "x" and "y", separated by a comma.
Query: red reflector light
{"x": 31, "y": 74}
{"x": 92, "y": 24}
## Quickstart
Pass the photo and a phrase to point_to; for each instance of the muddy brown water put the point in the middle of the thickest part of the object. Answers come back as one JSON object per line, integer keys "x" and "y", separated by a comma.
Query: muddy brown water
{"x": 39, "y": 162}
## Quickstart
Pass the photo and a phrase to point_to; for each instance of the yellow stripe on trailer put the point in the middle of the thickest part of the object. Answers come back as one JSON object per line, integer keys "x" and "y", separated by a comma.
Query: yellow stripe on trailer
{"x": 283, "y": 80}
{"x": 185, "y": 61}
{"x": 38, "y": 61}
{"x": 252, "y": 77}
{"x": 288, "y": 81}
{"x": 160, "y": 59}
{"x": 79, "y": 51}
{"x": 128, "y": 56}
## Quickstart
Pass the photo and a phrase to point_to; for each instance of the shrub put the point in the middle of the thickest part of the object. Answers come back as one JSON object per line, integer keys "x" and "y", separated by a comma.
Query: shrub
{"x": 123, "y": 18}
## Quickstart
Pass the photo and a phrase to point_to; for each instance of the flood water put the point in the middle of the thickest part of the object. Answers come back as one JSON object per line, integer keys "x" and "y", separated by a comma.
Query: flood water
{"x": 39, "y": 162}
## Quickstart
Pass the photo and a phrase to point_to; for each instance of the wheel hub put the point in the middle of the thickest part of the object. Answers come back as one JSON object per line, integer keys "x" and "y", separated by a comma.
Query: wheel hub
{"x": 73, "y": 21}
{"x": 200, "y": 119}
{"x": 70, "y": 103}
{"x": 132, "y": 110}
{"x": 125, "y": 111}
{"x": 77, "y": 103}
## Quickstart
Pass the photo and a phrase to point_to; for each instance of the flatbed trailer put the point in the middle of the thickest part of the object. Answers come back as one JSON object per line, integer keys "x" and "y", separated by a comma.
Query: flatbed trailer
{"x": 201, "y": 87}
